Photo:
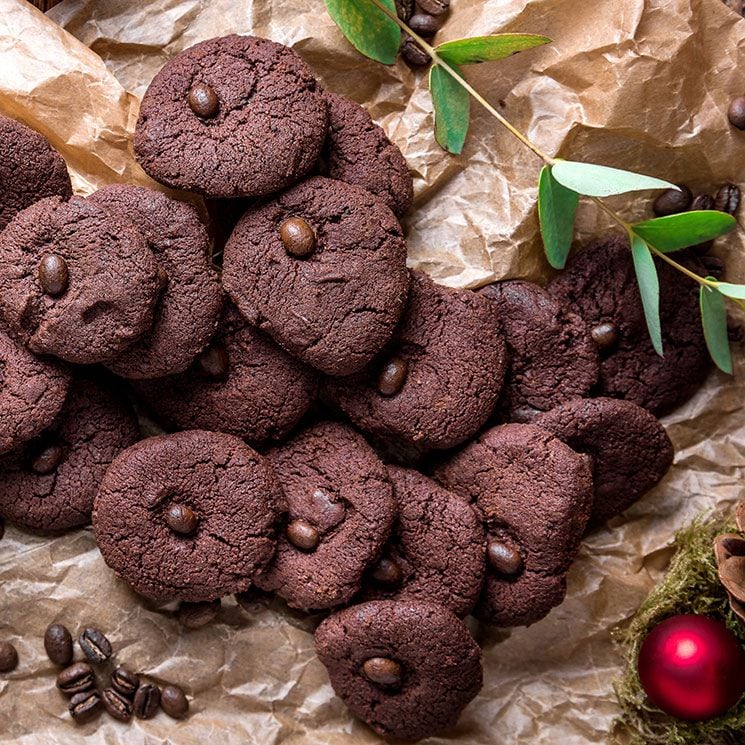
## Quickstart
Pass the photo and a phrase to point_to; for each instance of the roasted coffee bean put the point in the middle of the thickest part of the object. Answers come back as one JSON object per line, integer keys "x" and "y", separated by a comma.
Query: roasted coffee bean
{"x": 147, "y": 701}
{"x": 298, "y": 237}
{"x": 214, "y": 361}
{"x": 77, "y": 678}
{"x": 182, "y": 519}
{"x": 387, "y": 572}
{"x": 8, "y": 657}
{"x": 173, "y": 701}
{"x": 425, "y": 25}
{"x": 96, "y": 647}
{"x": 47, "y": 460}
{"x": 53, "y": 274}
{"x": 413, "y": 54}
{"x": 197, "y": 615}
{"x": 393, "y": 376}
{"x": 727, "y": 199}
{"x": 58, "y": 644}
{"x": 303, "y": 535}
{"x": 434, "y": 7}
{"x": 125, "y": 682}
{"x": 404, "y": 9}
{"x": 605, "y": 335}
{"x": 85, "y": 706}
{"x": 736, "y": 112}
{"x": 203, "y": 101}
{"x": 383, "y": 671}
{"x": 672, "y": 201}
{"x": 703, "y": 202}
{"x": 329, "y": 513}
{"x": 117, "y": 705}
{"x": 504, "y": 559}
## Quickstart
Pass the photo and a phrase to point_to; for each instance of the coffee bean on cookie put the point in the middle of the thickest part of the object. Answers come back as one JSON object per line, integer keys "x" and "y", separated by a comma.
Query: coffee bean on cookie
{"x": 182, "y": 519}
{"x": 203, "y": 101}
{"x": 393, "y": 376}
{"x": 383, "y": 671}
{"x": 53, "y": 274}
{"x": 302, "y": 535}
{"x": 297, "y": 237}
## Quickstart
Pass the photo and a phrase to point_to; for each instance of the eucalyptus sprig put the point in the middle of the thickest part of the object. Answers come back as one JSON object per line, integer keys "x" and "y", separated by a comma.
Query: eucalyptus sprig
{"x": 374, "y": 28}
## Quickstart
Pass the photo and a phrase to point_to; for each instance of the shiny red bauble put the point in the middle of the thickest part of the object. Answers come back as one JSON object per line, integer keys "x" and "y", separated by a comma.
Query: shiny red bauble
{"x": 692, "y": 667}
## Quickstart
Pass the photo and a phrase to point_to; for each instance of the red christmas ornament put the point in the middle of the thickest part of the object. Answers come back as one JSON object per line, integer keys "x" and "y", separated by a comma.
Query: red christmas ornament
{"x": 692, "y": 667}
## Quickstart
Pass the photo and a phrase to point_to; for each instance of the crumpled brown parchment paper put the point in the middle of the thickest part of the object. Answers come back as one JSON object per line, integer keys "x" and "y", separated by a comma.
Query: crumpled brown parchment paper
{"x": 638, "y": 84}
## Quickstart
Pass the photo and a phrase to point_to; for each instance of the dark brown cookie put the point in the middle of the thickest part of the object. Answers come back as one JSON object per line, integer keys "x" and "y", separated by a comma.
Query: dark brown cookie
{"x": 232, "y": 116}
{"x": 552, "y": 358}
{"x": 189, "y": 306}
{"x": 436, "y": 550}
{"x": 534, "y": 496}
{"x": 407, "y": 669}
{"x": 341, "y": 510}
{"x": 75, "y": 281}
{"x": 438, "y": 380}
{"x": 190, "y": 516}
{"x": 336, "y": 306}
{"x": 599, "y": 284}
{"x": 49, "y": 483}
{"x": 358, "y": 151}
{"x": 630, "y": 449}
{"x": 242, "y": 384}
{"x": 30, "y": 169}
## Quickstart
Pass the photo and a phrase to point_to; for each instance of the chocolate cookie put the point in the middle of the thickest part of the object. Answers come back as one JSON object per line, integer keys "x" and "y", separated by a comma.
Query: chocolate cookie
{"x": 341, "y": 510}
{"x": 358, "y": 151}
{"x": 321, "y": 269}
{"x": 30, "y": 169}
{"x": 407, "y": 669}
{"x": 534, "y": 496}
{"x": 191, "y": 516}
{"x": 232, "y": 116}
{"x": 552, "y": 358}
{"x": 32, "y": 391}
{"x": 189, "y": 307}
{"x": 242, "y": 384}
{"x": 49, "y": 483}
{"x": 438, "y": 380}
{"x": 75, "y": 281}
{"x": 599, "y": 284}
{"x": 630, "y": 449}
{"x": 436, "y": 550}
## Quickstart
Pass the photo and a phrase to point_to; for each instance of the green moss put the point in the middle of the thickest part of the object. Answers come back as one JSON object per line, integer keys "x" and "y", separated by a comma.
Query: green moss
{"x": 690, "y": 586}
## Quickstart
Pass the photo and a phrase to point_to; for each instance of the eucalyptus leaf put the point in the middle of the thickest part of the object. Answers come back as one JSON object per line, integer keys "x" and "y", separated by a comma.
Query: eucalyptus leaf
{"x": 452, "y": 105}
{"x": 557, "y": 207}
{"x": 714, "y": 319}
{"x": 367, "y": 27}
{"x": 731, "y": 290}
{"x": 674, "y": 232}
{"x": 601, "y": 181}
{"x": 649, "y": 288}
{"x": 487, "y": 48}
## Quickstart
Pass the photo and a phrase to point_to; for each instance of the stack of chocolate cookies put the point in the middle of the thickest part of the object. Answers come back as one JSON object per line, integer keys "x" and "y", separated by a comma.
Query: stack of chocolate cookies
{"x": 344, "y": 432}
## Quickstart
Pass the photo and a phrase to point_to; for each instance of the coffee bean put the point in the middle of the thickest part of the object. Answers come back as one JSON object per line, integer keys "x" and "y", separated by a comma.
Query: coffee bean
{"x": 197, "y": 615}
{"x": 96, "y": 647}
{"x": 203, "y": 101}
{"x": 303, "y": 535}
{"x": 125, "y": 682}
{"x": 297, "y": 237}
{"x": 77, "y": 678}
{"x": 173, "y": 701}
{"x": 53, "y": 274}
{"x": 8, "y": 657}
{"x": 404, "y": 9}
{"x": 58, "y": 644}
{"x": 117, "y": 705}
{"x": 182, "y": 519}
{"x": 393, "y": 376}
{"x": 85, "y": 706}
{"x": 736, "y": 112}
{"x": 147, "y": 701}
{"x": 504, "y": 559}
{"x": 413, "y": 53}
{"x": 163, "y": 278}
{"x": 387, "y": 572}
{"x": 383, "y": 671}
{"x": 434, "y": 7}
{"x": 672, "y": 201}
{"x": 703, "y": 202}
{"x": 425, "y": 25}
{"x": 214, "y": 361}
{"x": 329, "y": 513}
{"x": 605, "y": 335}
{"x": 727, "y": 199}
{"x": 47, "y": 460}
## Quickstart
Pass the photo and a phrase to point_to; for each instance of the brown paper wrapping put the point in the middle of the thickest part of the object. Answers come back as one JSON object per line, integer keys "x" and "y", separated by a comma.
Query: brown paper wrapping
{"x": 642, "y": 85}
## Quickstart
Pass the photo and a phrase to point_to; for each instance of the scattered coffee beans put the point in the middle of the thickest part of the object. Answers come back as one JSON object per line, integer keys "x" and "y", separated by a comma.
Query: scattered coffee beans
{"x": 53, "y": 274}
{"x": 504, "y": 559}
{"x": 182, "y": 519}
{"x": 413, "y": 54}
{"x": 387, "y": 572}
{"x": 203, "y": 101}
{"x": 605, "y": 335}
{"x": 173, "y": 701}
{"x": 58, "y": 644}
{"x": 382, "y": 671}
{"x": 125, "y": 682}
{"x": 117, "y": 705}
{"x": 393, "y": 376}
{"x": 703, "y": 202}
{"x": 672, "y": 201}
{"x": 197, "y": 615}
{"x": 96, "y": 647}
{"x": 425, "y": 25}
{"x": 77, "y": 678}
{"x": 297, "y": 237}
{"x": 8, "y": 657}
{"x": 47, "y": 460}
{"x": 404, "y": 9}
{"x": 727, "y": 199}
{"x": 214, "y": 361}
{"x": 85, "y": 706}
{"x": 434, "y": 7}
{"x": 303, "y": 535}
{"x": 736, "y": 112}
{"x": 147, "y": 701}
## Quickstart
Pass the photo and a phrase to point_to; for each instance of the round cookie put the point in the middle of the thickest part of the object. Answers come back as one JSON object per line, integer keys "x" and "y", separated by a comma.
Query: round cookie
{"x": 49, "y": 483}
{"x": 101, "y": 282}
{"x": 534, "y": 496}
{"x": 243, "y": 384}
{"x": 232, "y": 116}
{"x": 552, "y": 358}
{"x": 630, "y": 449}
{"x": 341, "y": 511}
{"x": 407, "y": 669}
{"x": 190, "y": 516}
{"x": 335, "y": 308}
{"x": 32, "y": 391}
{"x": 358, "y": 152}
{"x": 599, "y": 284}
{"x": 438, "y": 380}
{"x": 189, "y": 307}
{"x": 30, "y": 169}
{"x": 436, "y": 550}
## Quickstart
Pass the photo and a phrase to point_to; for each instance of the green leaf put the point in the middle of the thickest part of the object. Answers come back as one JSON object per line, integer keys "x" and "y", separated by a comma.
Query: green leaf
{"x": 601, "y": 181}
{"x": 486, "y": 48}
{"x": 649, "y": 288}
{"x": 686, "y": 229}
{"x": 557, "y": 207}
{"x": 367, "y": 27}
{"x": 714, "y": 319}
{"x": 452, "y": 109}
{"x": 730, "y": 290}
